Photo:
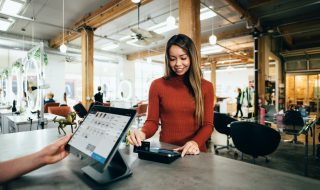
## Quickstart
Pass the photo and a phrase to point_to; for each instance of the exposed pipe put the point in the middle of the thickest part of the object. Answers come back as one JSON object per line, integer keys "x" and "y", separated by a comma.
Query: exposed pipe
{"x": 217, "y": 13}
{"x": 16, "y": 16}
{"x": 253, "y": 21}
{"x": 298, "y": 32}
{"x": 301, "y": 52}
{"x": 256, "y": 73}
{"x": 290, "y": 9}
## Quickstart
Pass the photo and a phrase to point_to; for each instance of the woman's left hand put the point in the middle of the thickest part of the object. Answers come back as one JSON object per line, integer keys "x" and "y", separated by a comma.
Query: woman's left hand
{"x": 191, "y": 147}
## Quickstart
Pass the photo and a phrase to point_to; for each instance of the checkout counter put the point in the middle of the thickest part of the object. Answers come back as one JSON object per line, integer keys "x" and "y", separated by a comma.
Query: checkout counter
{"x": 204, "y": 171}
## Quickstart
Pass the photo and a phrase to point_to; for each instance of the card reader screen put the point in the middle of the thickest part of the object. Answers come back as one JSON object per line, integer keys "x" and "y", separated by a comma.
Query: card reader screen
{"x": 98, "y": 134}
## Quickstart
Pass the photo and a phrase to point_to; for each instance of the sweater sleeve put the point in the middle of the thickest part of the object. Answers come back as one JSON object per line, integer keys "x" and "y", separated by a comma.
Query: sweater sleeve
{"x": 206, "y": 130}
{"x": 151, "y": 125}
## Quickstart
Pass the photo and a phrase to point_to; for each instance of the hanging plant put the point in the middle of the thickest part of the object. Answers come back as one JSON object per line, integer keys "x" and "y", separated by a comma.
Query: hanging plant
{"x": 37, "y": 56}
{"x": 46, "y": 61}
{"x": 5, "y": 73}
{"x": 17, "y": 64}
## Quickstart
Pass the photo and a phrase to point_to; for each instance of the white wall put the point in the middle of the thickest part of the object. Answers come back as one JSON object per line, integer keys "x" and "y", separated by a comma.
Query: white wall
{"x": 8, "y": 57}
{"x": 228, "y": 80}
{"x": 145, "y": 74}
{"x": 60, "y": 75}
{"x": 105, "y": 75}
{"x": 55, "y": 76}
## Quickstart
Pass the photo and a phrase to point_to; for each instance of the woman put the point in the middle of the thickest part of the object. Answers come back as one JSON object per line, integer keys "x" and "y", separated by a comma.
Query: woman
{"x": 50, "y": 99}
{"x": 239, "y": 103}
{"x": 182, "y": 100}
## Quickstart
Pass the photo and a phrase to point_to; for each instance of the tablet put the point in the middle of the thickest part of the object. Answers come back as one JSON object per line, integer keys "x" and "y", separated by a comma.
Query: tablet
{"x": 100, "y": 133}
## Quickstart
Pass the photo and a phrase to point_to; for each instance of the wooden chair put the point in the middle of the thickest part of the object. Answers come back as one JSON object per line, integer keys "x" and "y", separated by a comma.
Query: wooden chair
{"x": 50, "y": 104}
{"x": 60, "y": 110}
{"x": 141, "y": 111}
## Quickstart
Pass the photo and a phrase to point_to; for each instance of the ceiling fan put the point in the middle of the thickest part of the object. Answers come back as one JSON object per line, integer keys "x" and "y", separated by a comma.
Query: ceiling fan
{"x": 144, "y": 37}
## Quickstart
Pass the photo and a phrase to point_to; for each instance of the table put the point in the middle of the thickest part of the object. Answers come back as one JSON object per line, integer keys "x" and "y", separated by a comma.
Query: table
{"x": 17, "y": 123}
{"x": 4, "y": 112}
{"x": 204, "y": 171}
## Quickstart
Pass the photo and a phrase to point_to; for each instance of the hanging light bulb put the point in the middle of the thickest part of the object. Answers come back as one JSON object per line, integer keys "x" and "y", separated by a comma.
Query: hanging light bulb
{"x": 63, "y": 48}
{"x": 149, "y": 60}
{"x": 135, "y": 1}
{"x": 171, "y": 21}
{"x": 213, "y": 39}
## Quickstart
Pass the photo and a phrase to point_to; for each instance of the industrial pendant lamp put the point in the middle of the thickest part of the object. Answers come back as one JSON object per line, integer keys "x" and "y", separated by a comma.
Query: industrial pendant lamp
{"x": 213, "y": 39}
{"x": 171, "y": 21}
{"x": 63, "y": 48}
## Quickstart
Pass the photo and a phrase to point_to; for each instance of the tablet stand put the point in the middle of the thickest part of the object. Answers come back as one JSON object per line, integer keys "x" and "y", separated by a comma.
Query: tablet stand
{"x": 115, "y": 170}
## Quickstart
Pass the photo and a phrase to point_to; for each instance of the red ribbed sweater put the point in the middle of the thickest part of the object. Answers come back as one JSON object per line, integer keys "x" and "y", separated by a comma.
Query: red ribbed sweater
{"x": 171, "y": 102}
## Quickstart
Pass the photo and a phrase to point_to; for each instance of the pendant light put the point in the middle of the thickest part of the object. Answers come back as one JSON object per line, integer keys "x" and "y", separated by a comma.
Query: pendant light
{"x": 135, "y": 1}
{"x": 213, "y": 38}
{"x": 171, "y": 21}
{"x": 63, "y": 48}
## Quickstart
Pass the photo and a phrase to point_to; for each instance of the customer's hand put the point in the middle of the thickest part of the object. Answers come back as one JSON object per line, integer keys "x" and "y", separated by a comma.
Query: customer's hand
{"x": 191, "y": 147}
{"x": 55, "y": 151}
{"x": 136, "y": 137}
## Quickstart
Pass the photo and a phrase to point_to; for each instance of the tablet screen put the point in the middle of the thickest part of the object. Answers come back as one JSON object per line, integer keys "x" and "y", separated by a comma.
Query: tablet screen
{"x": 99, "y": 133}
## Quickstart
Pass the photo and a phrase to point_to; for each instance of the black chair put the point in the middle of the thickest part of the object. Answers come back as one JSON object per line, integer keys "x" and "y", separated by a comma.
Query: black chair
{"x": 80, "y": 110}
{"x": 293, "y": 122}
{"x": 254, "y": 139}
{"x": 221, "y": 122}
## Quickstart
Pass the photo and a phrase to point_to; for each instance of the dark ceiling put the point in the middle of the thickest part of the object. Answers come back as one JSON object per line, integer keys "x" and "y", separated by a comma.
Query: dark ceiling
{"x": 296, "y": 23}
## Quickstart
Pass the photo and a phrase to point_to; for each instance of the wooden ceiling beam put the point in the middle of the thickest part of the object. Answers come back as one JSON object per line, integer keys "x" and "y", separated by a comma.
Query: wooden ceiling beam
{"x": 231, "y": 56}
{"x": 106, "y": 13}
{"x": 227, "y": 34}
{"x": 148, "y": 53}
{"x": 287, "y": 38}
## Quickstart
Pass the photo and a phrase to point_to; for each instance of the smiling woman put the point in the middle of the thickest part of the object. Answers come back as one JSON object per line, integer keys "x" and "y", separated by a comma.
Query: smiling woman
{"x": 182, "y": 100}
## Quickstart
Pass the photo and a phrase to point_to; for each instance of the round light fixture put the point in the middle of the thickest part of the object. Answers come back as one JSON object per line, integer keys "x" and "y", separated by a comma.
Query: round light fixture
{"x": 171, "y": 21}
{"x": 213, "y": 39}
{"x": 135, "y": 1}
{"x": 63, "y": 48}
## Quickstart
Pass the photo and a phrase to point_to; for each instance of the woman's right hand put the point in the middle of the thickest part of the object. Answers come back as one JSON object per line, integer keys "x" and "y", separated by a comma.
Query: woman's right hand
{"x": 136, "y": 137}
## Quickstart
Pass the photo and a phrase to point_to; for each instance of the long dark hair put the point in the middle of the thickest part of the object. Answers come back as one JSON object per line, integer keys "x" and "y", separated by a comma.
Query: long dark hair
{"x": 194, "y": 74}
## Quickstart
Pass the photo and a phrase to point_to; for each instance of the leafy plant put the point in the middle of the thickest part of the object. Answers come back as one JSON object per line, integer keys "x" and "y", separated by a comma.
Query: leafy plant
{"x": 37, "y": 56}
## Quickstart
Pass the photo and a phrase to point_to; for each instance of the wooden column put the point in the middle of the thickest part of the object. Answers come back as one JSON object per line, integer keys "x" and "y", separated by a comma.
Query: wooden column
{"x": 87, "y": 66}
{"x": 263, "y": 62}
{"x": 214, "y": 78}
{"x": 189, "y": 20}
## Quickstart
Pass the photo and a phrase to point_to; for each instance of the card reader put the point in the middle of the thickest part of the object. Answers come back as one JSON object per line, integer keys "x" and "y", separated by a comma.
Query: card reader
{"x": 145, "y": 152}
